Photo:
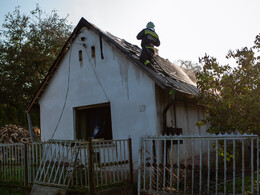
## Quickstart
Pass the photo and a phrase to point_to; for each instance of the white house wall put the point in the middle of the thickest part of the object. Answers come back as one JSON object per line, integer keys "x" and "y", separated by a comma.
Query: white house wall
{"x": 187, "y": 115}
{"x": 114, "y": 79}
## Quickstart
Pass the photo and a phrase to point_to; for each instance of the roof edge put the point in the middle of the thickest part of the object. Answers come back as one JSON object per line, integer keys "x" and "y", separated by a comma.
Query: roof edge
{"x": 56, "y": 62}
{"x": 82, "y": 23}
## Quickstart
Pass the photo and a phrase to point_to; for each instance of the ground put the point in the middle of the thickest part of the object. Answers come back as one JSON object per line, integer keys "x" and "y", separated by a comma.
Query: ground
{"x": 7, "y": 190}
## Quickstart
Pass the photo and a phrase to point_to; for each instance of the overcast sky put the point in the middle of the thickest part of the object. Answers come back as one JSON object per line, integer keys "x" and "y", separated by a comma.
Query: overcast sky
{"x": 187, "y": 28}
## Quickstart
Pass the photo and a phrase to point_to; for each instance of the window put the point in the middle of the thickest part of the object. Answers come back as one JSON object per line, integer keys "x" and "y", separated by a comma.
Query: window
{"x": 80, "y": 55}
{"x": 93, "y": 121}
{"x": 93, "y": 52}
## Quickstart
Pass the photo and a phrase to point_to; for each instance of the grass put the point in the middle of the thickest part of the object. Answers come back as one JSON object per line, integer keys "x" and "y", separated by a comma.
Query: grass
{"x": 13, "y": 190}
{"x": 238, "y": 185}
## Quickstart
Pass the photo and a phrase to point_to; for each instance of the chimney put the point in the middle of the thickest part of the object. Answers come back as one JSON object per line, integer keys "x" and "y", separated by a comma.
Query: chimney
{"x": 156, "y": 51}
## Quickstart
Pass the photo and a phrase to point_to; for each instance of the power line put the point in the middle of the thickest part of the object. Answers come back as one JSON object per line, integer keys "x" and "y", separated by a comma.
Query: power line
{"x": 66, "y": 96}
{"x": 67, "y": 91}
{"x": 97, "y": 76}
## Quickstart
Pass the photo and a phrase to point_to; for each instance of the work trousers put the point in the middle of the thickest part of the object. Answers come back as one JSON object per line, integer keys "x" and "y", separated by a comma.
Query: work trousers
{"x": 147, "y": 56}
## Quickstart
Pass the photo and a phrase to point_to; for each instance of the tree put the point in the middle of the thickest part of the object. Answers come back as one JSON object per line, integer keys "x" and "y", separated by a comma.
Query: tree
{"x": 232, "y": 95}
{"x": 29, "y": 45}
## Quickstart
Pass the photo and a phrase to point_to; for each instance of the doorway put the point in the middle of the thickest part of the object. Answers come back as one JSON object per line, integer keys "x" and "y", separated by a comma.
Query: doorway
{"x": 93, "y": 121}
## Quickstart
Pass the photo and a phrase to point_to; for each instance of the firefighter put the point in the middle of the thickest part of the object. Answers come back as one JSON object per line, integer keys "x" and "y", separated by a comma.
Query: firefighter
{"x": 149, "y": 40}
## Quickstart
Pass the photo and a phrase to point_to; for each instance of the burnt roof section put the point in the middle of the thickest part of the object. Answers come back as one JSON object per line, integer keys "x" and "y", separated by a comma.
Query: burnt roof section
{"x": 167, "y": 75}
{"x": 171, "y": 75}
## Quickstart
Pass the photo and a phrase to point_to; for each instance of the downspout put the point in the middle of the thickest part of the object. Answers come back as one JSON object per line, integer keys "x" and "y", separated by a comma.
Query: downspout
{"x": 165, "y": 128}
{"x": 30, "y": 126}
{"x": 165, "y": 110}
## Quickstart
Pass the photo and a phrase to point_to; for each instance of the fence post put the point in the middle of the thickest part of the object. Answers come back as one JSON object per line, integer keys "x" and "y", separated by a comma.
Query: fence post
{"x": 91, "y": 166}
{"x": 25, "y": 165}
{"x": 130, "y": 160}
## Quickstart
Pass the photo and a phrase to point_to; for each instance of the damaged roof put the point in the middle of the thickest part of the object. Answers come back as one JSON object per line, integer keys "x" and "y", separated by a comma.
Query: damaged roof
{"x": 167, "y": 75}
{"x": 171, "y": 75}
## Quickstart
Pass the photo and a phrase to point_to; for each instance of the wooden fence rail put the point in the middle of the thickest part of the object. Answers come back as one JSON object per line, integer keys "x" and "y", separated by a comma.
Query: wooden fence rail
{"x": 91, "y": 164}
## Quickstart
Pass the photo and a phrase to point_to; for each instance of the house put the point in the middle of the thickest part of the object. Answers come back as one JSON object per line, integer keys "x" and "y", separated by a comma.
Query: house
{"x": 98, "y": 88}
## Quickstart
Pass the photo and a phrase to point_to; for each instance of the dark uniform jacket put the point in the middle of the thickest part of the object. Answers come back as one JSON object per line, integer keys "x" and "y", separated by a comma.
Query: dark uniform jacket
{"x": 149, "y": 38}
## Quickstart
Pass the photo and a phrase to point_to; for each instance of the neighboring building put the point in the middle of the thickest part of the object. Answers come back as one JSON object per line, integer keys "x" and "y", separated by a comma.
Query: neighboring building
{"x": 97, "y": 87}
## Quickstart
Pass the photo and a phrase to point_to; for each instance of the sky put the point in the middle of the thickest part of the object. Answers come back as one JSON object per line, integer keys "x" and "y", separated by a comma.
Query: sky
{"x": 187, "y": 28}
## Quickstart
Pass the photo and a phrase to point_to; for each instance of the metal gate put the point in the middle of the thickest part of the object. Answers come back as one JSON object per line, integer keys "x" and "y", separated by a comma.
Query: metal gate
{"x": 59, "y": 162}
{"x": 204, "y": 164}
{"x": 90, "y": 165}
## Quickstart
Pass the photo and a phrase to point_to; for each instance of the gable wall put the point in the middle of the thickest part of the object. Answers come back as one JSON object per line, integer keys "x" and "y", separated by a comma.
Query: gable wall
{"x": 114, "y": 79}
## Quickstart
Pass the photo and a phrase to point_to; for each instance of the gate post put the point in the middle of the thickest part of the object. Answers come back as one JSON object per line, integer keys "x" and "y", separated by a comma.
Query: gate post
{"x": 130, "y": 160}
{"x": 91, "y": 166}
{"x": 25, "y": 165}
{"x": 139, "y": 165}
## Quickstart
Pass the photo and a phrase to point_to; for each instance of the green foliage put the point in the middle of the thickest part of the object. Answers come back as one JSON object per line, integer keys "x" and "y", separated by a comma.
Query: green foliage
{"x": 171, "y": 92}
{"x": 29, "y": 45}
{"x": 232, "y": 95}
{"x": 238, "y": 185}
{"x": 13, "y": 115}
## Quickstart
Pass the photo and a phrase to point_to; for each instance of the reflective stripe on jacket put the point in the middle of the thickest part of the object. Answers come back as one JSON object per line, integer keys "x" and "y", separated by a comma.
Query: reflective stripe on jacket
{"x": 149, "y": 38}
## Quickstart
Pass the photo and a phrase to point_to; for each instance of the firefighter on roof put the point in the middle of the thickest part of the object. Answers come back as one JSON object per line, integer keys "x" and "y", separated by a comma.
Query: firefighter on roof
{"x": 149, "y": 40}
